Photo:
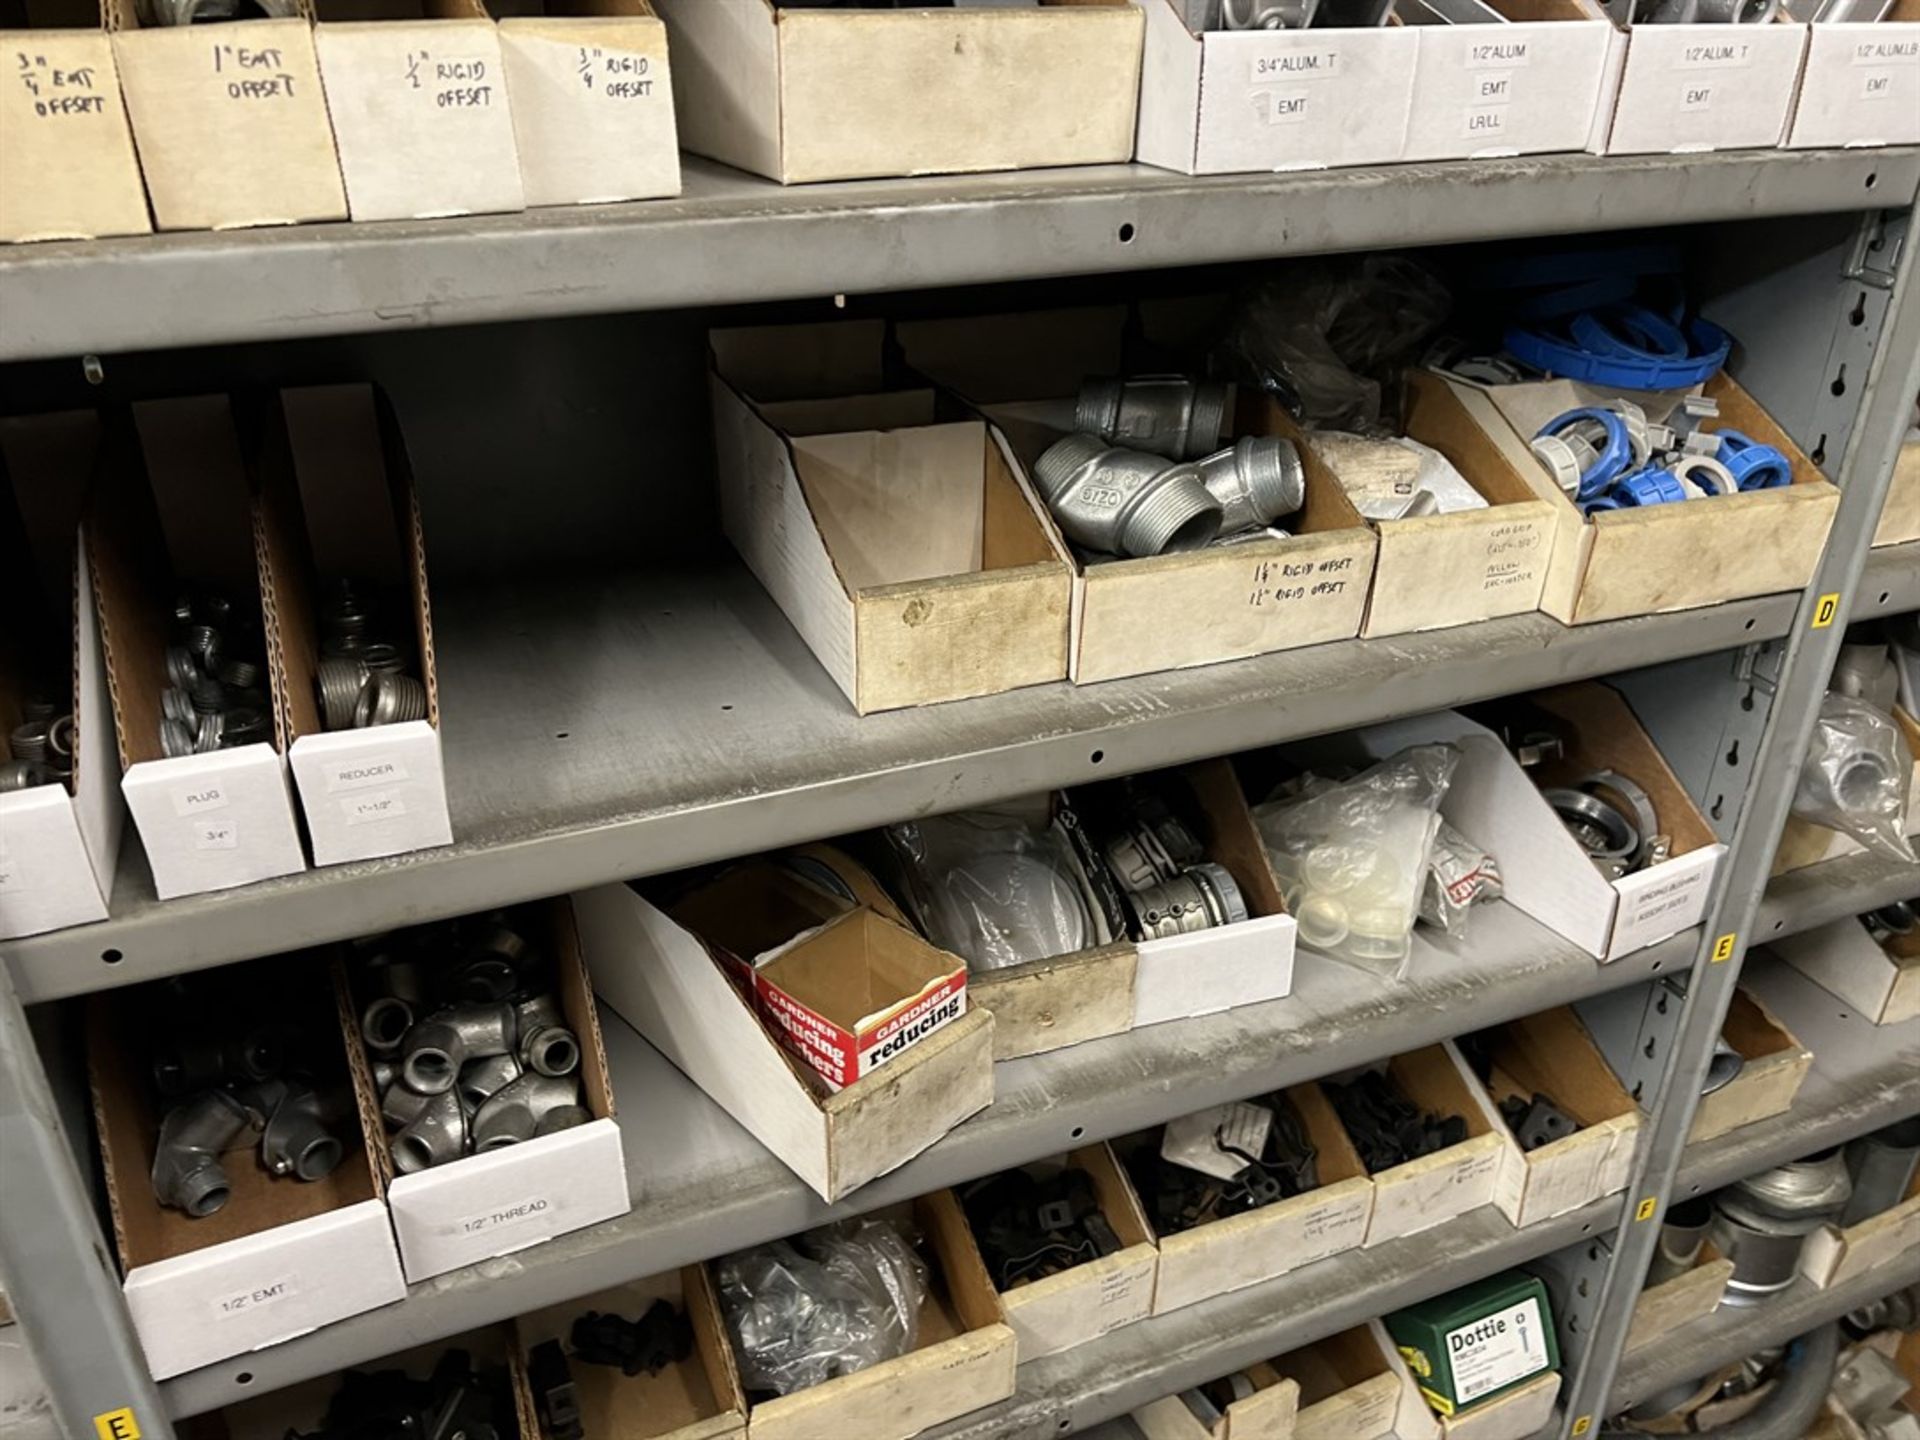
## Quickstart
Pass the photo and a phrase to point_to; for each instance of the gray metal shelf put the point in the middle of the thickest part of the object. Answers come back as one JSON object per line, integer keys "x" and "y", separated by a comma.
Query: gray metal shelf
{"x": 702, "y": 1186}
{"x": 732, "y": 237}
{"x": 602, "y": 729}
{"x": 1814, "y": 895}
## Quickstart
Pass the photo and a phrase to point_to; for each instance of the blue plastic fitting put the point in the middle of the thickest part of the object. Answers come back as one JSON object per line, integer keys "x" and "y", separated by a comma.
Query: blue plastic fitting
{"x": 1555, "y": 354}
{"x": 1615, "y": 456}
{"x": 1651, "y": 486}
{"x": 1754, "y": 466}
{"x": 1629, "y": 332}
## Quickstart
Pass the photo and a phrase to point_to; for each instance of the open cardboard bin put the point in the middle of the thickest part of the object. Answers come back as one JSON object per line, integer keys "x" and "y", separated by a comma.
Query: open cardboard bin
{"x": 1664, "y": 557}
{"x": 1900, "y": 515}
{"x": 418, "y": 94}
{"x": 1552, "y": 1054}
{"x": 58, "y": 842}
{"x": 1267, "y": 1413}
{"x": 1351, "y": 1385}
{"x": 697, "y": 1398}
{"x": 282, "y": 1256}
{"x": 800, "y": 95}
{"x": 504, "y": 1200}
{"x": 1803, "y": 843}
{"x": 1833, "y": 1256}
{"x": 1880, "y": 982}
{"x": 1690, "y": 88}
{"x": 963, "y": 1359}
{"x": 1664, "y": 1308}
{"x": 67, "y": 168}
{"x": 677, "y": 976}
{"x": 1164, "y": 612}
{"x": 335, "y": 501}
{"x": 1860, "y": 85}
{"x": 592, "y": 100}
{"x": 1517, "y": 1414}
{"x": 1776, "y": 1067}
{"x": 1241, "y": 1250}
{"x": 901, "y": 539}
{"x": 207, "y": 821}
{"x": 229, "y": 120}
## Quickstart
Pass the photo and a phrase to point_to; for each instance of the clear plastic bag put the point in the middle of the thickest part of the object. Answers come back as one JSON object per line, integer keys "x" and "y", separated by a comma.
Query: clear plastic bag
{"x": 1855, "y": 777}
{"x": 1352, "y": 856}
{"x": 831, "y": 1302}
{"x": 1460, "y": 875}
{"x": 994, "y": 887}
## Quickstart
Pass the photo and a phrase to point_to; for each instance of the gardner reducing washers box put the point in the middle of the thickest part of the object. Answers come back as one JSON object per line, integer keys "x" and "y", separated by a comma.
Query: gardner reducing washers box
{"x": 1479, "y": 1341}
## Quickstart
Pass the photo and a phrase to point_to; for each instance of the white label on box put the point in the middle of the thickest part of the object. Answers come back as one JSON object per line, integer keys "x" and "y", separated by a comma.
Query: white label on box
{"x": 363, "y": 774}
{"x": 1715, "y": 55}
{"x": 216, "y": 835}
{"x": 254, "y": 1298}
{"x": 199, "y": 799}
{"x": 1493, "y": 88}
{"x": 1485, "y": 122}
{"x": 1696, "y": 95}
{"x": 1497, "y": 1350}
{"x": 534, "y": 1210}
{"x": 1291, "y": 65}
{"x": 1208, "y": 1139}
{"x": 1284, "y": 107}
{"x": 1882, "y": 52}
{"x": 1876, "y": 85}
{"x": 371, "y": 809}
{"x": 1664, "y": 905}
{"x": 1499, "y": 55}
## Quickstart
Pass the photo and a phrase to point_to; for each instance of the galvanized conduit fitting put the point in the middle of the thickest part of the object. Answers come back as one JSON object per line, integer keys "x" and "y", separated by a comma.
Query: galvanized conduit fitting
{"x": 389, "y": 699}
{"x": 1256, "y": 482}
{"x": 437, "y": 1134}
{"x": 1125, "y": 502}
{"x": 514, "y": 1113}
{"x": 339, "y": 682}
{"x": 187, "y": 1174}
{"x": 1165, "y": 415}
{"x": 296, "y": 1140}
{"x": 438, "y": 1046}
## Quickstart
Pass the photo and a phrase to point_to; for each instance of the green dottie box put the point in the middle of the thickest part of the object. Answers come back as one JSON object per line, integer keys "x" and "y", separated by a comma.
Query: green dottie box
{"x": 1477, "y": 1342}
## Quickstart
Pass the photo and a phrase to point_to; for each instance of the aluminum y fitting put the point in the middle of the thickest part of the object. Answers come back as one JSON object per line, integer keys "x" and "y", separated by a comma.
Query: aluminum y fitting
{"x": 187, "y": 1174}
{"x": 514, "y": 1113}
{"x": 438, "y": 1046}
{"x": 1161, "y": 414}
{"x": 1754, "y": 466}
{"x": 1256, "y": 482}
{"x": 1125, "y": 502}
{"x": 1199, "y": 898}
{"x": 433, "y": 1137}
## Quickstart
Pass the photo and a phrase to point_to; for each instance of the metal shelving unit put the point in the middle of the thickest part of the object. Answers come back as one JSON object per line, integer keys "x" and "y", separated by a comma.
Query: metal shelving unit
{"x": 616, "y": 725}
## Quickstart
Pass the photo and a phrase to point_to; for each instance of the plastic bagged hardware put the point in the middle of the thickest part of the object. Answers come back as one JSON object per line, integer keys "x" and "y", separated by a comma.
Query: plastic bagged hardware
{"x": 1395, "y": 478}
{"x": 1460, "y": 875}
{"x": 833, "y": 1301}
{"x": 1855, "y": 776}
{"x": 1352, "y": 856}
{"x": 1029, "y": 1227}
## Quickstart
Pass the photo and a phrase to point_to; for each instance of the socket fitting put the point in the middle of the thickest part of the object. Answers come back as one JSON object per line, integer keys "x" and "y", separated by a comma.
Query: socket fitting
{"x": 1125, "y": 502}
{"x": 1161, "y": 414}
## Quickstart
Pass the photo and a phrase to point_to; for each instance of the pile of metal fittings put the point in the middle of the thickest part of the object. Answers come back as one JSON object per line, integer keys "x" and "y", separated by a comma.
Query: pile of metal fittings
{"x": 1178, "y": 1195}
{"x": 362, "y": 678}
{"x": 1169, "y": 885}
{"x": 1204, "y": 15}
{"x": 1609, "y": 457}
{"x": 216, "y": 692}
{"x": 1761, "y": 1222}
{"x": 1148, "y": 470}
{"x": 458, "y": 1401}
{"x": 1029, "y": 1227}
{"x": 469, "y": 1047}
{"x": 40, "y": 746}
{"x": 1386, "y": 1128}
{"x": 1736, "y": 12}
{"x": 1613, "y": 820}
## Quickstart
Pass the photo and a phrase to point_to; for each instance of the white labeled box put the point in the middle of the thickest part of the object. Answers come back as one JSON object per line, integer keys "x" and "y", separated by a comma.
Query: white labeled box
{"x": 229, "y": 120}
{"x": 1860, "y": 85}
{"x": 1539, "y": 84}
{"x": 1650, "y": 559}
{"x": 280, "y": 1256}
{"x": 820, "y": 95}
{"x": 592, "y": 103}
{"x": 667, "y": 982}
{"x": 334, "y": 503}
{"x": 67, "y": 167}
{"x": 1226, "y": 101}
{"x": 222, "y": 818}
{"x": 1685, "y": 89}
{"x": 1776, "y": 1066}
{"x": 1023, "y": 371}
{"x": 1880, "y": 982}
{"x": 420, "y": 107}
{"x": 499, "y": 1201}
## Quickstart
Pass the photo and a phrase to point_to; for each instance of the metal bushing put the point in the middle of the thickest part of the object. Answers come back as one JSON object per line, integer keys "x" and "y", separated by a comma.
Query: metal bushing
{"x": 1199, "y": 898}
{"x": 175, "y": 739}
{"x": 339, "y": 682}
{"x": 208, "y": 695}
{"x": 1125, "y": 502}
{"x": 18, "y": 775}
{"x": 1765, "y": 1254}
{"x": 209, "y": 733}
{"x": 1166, "y": 415}
{"x": 28, "y": 741}
{"x": 1256, "y": 482}
{"x": 181, "y": 666}
{"x": 381, "y": 657}
{"x": 204, "y": 645}
{"x": 389, "y": 699}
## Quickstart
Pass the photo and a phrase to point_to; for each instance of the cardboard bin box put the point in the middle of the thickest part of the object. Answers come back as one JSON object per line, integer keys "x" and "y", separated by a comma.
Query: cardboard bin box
{"x": 1880, "y": 983}
{"x": 1860, "y": 85}
{"x": 504, "y": 1200}
{"x": 282, "y": 1256}
{"x": 1519, "y": 1414}
{"x": 964, "y": 1358}
{"x": 1664, "y": 557}
{"x": 1777, "y": 1066}
{"x": 697, "y": 1398}
{"x": 1664, "y": 1308}
{"x": 682, "y": 982}
{"x": 58, "y": 842}
{"x": 802, "y": 95}
{"x": 335, "y": 501}
{"x": 1685, "y": 89}
{"x": 1267, "y": 1413}
{"x": 1242, "y": 1250}
{"x": 1803, "y": 843}
{"x": 1350, "y": 1385}
{"x": 904, "y": 543}
{"x": 419, "y": 98}
{"x": 1900, "y": 515}
{"x": 67, "y": 168}
{"x": 1833, "y": 1256}
{"x": 1230, "y": 601}
{"x": 229, "y": 120}
{"x": 207, "y": 821}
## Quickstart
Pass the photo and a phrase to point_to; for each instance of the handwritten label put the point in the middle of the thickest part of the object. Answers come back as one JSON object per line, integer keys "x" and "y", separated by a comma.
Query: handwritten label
{"x": 457, "y": 82}
{"x": 254, "y": 1298}
{"x": 253, "y": 72}
{"x": 364, "y": 774}
{"x": 1277, "y": 582}
{"x": 537, "y": 1210}
{"x": 220, "y": 834}
{"x": 1325, "y": 1228}
{"x": 199, "y": 799}
{"x": 58, "y": 90}
{"x": 1124, "y": 1298}
{"x": 1473, "y": 1170}
{"x": 1295, "y": 65}
{"x": 370, "y": 809}
{"x": 1499, "y": 55}
{"x": 617, "y": 76}
{"x": 1716, "y": 55}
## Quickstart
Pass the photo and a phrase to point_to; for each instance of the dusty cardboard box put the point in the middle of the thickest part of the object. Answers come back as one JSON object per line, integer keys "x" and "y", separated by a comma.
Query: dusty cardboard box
{"x": 1234, "y": 601}
{"x": 670, "y": 984}
{"x": 58, "y": 842}
{"x": 282, "y": 1256}
{"x": 805, "y": 95}
{"x": 904, "y": 545}
{"x": 1663, "y": 557}
{"x": 1265, "y": 1414}
{"x": 504, "y": 1200}
{"x": 229, "y": 120}
{"x": 1860, "y": 85}
{"x": 418, "y": 94}
{"x": 1685, "y": 89}
{"x": 1776, "y": 1066}
{"x": 67, "y": 168}
{"x": 1350, "y": 1385}
{"x": 1880, "y": 982}
{"x": 1552, "y": 1054}
{"x": 1519, "y": 1414}
{"x": 1086, "y": 1301}
{"x": 1242, "y": 1250}
{"x": 335, "y": 501}
{"x": 1664, "y": 1308}
{"x": 963, "y": 1359}
{"x": 697, "y": 1398}
{"x": 1833, "y": 1256}
{"x": 207, "y": 821}
{"x": 1900, "y": 515}
{"x": 592, "y": 100}
{"x": 1803, "y": 843}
